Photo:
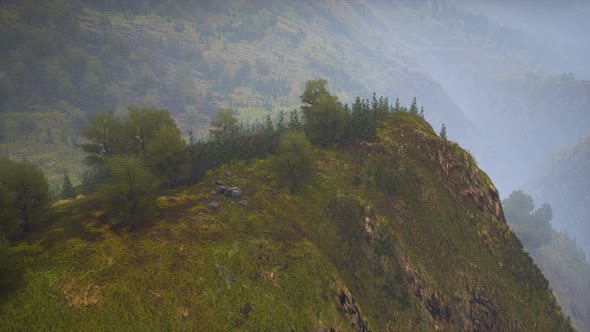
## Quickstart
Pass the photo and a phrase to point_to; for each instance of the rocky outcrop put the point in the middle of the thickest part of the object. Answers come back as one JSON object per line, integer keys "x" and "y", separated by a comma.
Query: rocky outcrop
{"x": 348, "y": 306}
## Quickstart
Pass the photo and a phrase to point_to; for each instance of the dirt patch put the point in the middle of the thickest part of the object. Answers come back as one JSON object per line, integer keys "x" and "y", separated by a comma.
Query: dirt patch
{"x": 77, "y": 294}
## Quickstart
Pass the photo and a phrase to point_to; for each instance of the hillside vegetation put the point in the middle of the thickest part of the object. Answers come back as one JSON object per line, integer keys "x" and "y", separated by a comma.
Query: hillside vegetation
{"x": 402, "y": 233}
{"x": 64, "y": 60}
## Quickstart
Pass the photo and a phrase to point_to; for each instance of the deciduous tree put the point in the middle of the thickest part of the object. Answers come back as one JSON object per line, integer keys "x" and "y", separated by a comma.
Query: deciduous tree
{"x": 324, "y": 116}
{"x": 131, "y": 190}
{"x": 28, "y": 186}
{"x": 295, "y": 163}
{"x": 533, "y": 227}
{"x": 102, "y": 133}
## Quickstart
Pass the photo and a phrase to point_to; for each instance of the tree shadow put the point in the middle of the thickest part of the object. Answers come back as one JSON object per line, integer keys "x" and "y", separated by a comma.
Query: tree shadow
{"x": 11, "y": 274}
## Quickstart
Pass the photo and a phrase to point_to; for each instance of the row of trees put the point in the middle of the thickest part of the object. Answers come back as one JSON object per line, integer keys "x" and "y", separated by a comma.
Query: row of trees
{"x": 130, "y": 158}
{"x": 328, "y": 121}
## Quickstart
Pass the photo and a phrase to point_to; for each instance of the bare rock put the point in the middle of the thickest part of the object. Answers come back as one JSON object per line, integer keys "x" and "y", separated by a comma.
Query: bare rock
{"x": 213, "y": 205}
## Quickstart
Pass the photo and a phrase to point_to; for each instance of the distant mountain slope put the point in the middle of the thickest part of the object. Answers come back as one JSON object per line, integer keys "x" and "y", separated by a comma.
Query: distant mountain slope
{"x": 564, "y": 182}
{"x": 521, "y": 117}
{"x": 75, "y": 58}
{"x": 568, "y": 272}
{"x": 236, "y": 54}
{"x": 402, "y": 234}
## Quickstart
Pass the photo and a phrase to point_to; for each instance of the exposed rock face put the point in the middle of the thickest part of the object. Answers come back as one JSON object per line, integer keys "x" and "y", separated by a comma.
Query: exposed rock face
{"x": 349, "y": 307}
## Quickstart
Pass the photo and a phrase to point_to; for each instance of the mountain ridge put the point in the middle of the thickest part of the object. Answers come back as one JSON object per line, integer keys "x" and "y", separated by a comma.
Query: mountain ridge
{"x": 419, "y": 243}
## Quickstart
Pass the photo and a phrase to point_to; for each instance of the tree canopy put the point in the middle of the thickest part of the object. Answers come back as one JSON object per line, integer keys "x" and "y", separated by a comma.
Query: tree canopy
{"x": 26, "y": 187}
{"x": 533, "y": 227}
{"x": 147, "y": 133}
{"x": 130, "y": 190}
{"x": 295, "y": 162}
{"x": 323, "y": 114}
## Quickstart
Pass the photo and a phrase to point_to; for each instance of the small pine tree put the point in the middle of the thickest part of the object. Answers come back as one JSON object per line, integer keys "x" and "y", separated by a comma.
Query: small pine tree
{"x": 268, "y": 126}
{"x": 397, "y": 107}
{"x": 294, "y": 121}
{"x": 68, "y": 191}
{"x": 414, "y": 107}
{"x": 421, "y": 114}
{"x": 443, "y": 132}
{"x": 281, "y": 126}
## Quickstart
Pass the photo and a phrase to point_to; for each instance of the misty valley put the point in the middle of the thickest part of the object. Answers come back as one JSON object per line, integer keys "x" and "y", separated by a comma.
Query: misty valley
{"x": 301, "y": 166}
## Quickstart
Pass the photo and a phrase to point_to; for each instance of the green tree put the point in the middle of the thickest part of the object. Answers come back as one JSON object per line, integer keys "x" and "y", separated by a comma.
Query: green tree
{"x": 443, "y": 132}
{"x": 325, "y": 120}
{"x": 281, "y": 127}
{"x": 141, "y": 126}
{"x": 67, "y": 191}
{"x": 168, "y": 155}
{"x": 30, "y": 190}
{"x": 294, "y": 121}
{"x": 323, "y": 114}
{"x": 312, "y": 92}
{"x": 103, "y": 136}
{"x": 414, "y": 107}
{"x": 225, "y": 123}
{"x": 131, "y": 190}
{"x": 532, "y": 227}
{"x": 225, "y": 135}
{"x": 397, "y": 107}
{"x": 295, "y": 163}
{"x": 363, "y": 120}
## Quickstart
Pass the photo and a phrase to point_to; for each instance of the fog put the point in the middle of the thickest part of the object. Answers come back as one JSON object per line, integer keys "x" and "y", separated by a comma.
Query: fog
{"x": 510, "y": 80}
{"x": 520, "y": 79}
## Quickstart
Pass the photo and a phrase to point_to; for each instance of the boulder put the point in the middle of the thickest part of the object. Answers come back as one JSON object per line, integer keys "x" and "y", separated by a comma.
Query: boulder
{"x": 213, "y": 205}
{"x": 233, "y": 192}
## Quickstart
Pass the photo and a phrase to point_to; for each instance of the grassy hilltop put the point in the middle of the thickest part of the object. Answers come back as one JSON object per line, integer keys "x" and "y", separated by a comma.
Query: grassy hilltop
{"x": 403, "y": 233}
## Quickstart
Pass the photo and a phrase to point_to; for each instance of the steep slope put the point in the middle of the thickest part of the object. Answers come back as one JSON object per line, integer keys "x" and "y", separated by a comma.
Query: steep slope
{"x": 518, "y": 111}
{"x": 568, "y": 272}
{"x": 405, "y": 233}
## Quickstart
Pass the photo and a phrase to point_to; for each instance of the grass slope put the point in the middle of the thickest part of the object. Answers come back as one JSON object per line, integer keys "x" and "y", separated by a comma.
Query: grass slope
{"x": 405, "y": 233}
